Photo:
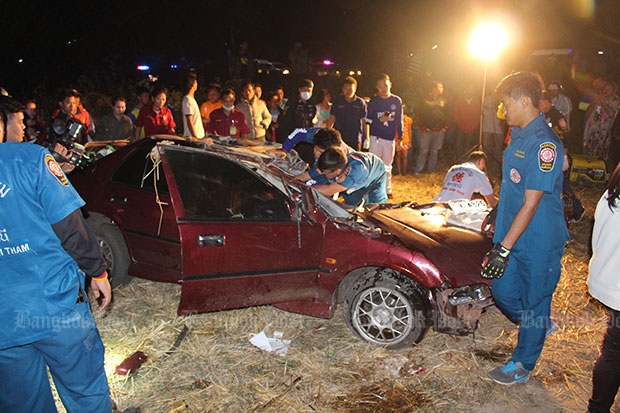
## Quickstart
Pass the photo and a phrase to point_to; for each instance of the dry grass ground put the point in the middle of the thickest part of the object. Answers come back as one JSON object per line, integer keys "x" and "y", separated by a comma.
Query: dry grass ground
{"x": 327, "y": 369}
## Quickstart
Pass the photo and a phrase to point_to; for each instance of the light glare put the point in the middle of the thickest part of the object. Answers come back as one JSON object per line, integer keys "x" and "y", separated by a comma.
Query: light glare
{"x": 488, "y": 40}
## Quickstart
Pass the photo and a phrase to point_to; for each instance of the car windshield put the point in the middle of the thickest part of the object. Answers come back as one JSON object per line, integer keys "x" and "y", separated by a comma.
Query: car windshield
{"x": 279, "y": 179}
{"x": 332, "y": 209}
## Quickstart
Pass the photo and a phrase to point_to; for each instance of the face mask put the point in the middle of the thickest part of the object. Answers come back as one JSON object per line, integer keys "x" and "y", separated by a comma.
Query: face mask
{"x": 306, "y": 95}
{"x": 228, "y": 108}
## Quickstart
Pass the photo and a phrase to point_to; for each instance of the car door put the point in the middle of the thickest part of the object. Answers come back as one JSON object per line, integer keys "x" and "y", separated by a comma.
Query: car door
{"x": 139, "y": 197}
{"x": 241, "y": 245}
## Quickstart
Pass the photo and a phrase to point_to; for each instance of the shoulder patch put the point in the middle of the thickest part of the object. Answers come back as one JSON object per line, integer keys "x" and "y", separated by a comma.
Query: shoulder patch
{"x": 547, "y": 154}
{"x": 54, "y": 169}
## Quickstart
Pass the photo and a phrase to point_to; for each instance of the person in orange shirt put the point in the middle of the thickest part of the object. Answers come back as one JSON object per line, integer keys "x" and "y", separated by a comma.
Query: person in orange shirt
{"x": 402, "y": 148}
{"x": 213, "y": 102}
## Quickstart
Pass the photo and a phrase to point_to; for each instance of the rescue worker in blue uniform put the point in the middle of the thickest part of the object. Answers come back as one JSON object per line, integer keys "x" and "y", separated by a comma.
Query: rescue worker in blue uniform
{"x": 321, "y": 139}
{"x": 356, "y": 176}
{"x": 45, "y": 318}
{"x": 530, "y": 233}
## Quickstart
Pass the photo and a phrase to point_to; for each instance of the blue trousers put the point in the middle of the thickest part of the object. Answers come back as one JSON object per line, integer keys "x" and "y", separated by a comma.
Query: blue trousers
{"x": 75, "y": 359}
{"x": 524, "y": 294}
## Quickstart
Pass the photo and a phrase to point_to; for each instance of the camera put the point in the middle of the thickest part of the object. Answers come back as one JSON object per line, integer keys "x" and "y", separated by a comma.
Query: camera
{"x": 388, "y": 114}
{"x": 68, "y": 134}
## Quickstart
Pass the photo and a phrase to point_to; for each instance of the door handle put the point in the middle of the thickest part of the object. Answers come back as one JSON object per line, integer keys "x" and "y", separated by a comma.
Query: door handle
{"x": 211, "y": 240}
{"x": 118, "y": 199}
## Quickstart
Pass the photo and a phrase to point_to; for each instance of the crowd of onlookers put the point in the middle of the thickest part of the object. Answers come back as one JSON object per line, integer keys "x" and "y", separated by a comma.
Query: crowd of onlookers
{"x": 426, "y": 123}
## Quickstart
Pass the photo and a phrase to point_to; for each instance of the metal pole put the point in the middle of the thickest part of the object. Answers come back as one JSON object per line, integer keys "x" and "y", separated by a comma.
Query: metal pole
{"x": 484, "y": 84}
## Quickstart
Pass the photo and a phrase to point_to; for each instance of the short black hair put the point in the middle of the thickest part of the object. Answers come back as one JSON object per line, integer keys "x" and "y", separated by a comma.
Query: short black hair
{"x": 8, "y": 106}
{"x": 160, "y": 90}
{"x": 383, "y": 76}
{"x": 349, "y": 80}
{"x": 67, "y": 93}
{"x": 142, "y": 89}
{"x": 327, "y": 138}
{"x": 118, "y": 98}
{"x": 189, "y": 81}
{"x": 520, "y": 84}
{"x": 476, "y": 156}
{"x": 227, "y": 92}
{"x": 215, "y": 86}
{"x": 306, "y": 83}
{"x": 331, "y": 159}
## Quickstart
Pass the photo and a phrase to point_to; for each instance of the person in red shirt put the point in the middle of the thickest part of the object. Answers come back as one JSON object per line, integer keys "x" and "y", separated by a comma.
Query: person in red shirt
{"x": 466, "y": 114}
{"x": 228, "y": 121}
{"x": 155, "y": 118}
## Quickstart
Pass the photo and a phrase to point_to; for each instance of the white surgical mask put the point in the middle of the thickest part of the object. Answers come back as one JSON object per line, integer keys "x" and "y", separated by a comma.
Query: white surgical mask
{"x": 306, "y": 95}
{"x": 228, "y": 108}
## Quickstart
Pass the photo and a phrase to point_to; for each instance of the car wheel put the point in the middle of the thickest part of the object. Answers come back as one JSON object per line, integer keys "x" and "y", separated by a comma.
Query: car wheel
{"x": 388, "y": 309}
{"x": 115, "y": 253}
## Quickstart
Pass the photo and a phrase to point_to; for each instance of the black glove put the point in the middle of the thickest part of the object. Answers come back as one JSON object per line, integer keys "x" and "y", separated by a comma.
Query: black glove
{"x": 495, "y": 262}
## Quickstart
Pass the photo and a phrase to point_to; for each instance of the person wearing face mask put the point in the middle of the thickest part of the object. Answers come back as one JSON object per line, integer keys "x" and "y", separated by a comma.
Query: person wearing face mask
{"x": 155, "y": 118}
{"x": 227, "y": 120}
{"x": 299, "y": 113}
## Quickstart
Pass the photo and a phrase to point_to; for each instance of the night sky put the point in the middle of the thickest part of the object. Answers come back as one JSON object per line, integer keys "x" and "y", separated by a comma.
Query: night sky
{"x": 65, "y": 39}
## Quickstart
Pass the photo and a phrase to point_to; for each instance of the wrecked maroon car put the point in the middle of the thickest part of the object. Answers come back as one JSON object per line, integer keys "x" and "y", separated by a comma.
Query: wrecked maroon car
{"x": 235, "y": 229}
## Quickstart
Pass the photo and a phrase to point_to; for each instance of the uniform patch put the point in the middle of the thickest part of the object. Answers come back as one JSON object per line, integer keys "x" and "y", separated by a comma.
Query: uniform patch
{"x": 55, "y": 170}
{"x": 515, "y": 176}
{"x": 546, "y": 156}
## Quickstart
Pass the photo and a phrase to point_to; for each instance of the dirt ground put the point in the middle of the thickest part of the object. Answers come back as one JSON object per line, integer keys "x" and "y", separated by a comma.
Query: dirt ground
{"x": 327, "y": 369}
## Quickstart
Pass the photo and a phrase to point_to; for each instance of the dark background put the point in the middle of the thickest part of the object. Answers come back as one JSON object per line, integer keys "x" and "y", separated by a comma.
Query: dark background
{"x": 99, "y": 43}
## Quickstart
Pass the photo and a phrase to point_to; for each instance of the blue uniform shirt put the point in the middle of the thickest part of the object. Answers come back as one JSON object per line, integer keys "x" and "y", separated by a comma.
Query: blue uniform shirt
{"x": 40, "y": 281}
{"x": 297, "y": 136}
{"x": 533, "y": 160}
{"x": 394, "y": 126}
{"x": 364, "y": 178}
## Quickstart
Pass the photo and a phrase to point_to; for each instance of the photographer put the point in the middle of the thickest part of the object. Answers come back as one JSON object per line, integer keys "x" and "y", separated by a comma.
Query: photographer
{"x": 62, "y": 142}
{"x": 45, "y": 318}
{"x": 70, "y": 106}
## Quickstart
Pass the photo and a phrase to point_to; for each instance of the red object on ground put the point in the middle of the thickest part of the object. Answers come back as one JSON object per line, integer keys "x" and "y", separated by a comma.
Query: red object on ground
{"x": 132, "y": 362}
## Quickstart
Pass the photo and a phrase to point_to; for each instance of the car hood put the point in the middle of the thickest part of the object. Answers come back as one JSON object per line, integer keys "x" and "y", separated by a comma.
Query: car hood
{"x": 456, "y": 251}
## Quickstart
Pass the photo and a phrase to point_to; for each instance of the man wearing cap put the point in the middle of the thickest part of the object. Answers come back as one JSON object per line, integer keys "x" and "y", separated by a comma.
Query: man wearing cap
{"x": 561, "y": 102}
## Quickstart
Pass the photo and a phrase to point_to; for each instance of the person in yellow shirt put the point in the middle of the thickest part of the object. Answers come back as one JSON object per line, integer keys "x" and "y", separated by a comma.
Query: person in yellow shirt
{"x": 402, "y": 148}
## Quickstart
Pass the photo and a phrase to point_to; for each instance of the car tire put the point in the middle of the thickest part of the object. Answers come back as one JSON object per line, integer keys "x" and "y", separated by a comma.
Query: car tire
{"x": 115, "y": 253}
{"x": 388, "y": 309}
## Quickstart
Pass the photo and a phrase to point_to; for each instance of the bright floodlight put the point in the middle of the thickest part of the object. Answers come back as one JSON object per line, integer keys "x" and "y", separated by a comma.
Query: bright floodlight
{"x": 488, "y": 40}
